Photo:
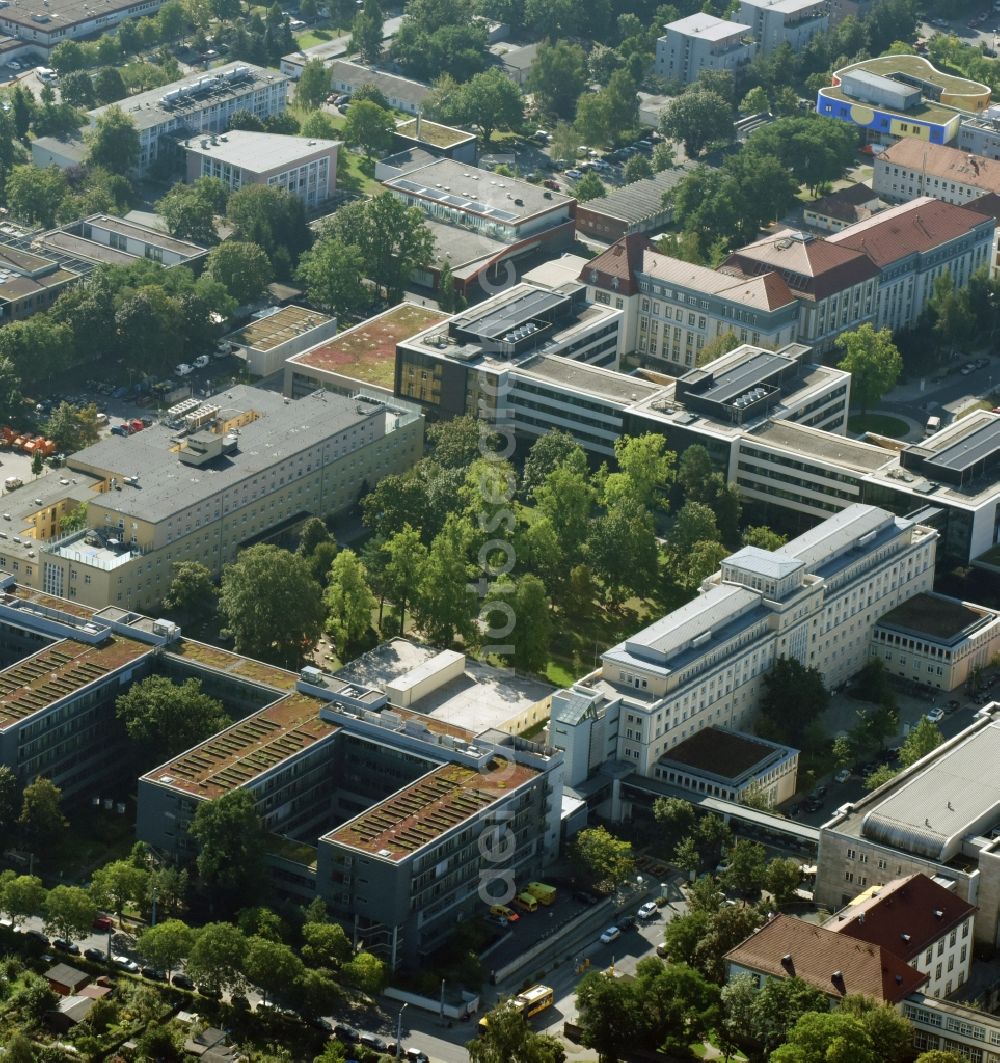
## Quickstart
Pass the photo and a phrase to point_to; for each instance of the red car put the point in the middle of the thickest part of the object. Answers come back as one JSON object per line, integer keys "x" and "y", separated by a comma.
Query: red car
{"x": 135, "y": 426}
{"x": 103, "y": 922}
{"x": 549, "y": 183}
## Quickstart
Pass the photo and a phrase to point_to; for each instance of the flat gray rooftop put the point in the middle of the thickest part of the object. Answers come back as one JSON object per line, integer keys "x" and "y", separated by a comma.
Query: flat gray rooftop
{"x": 588, "y": 379}
{"x": 494, "y": 323}
{"x": 729, "y": 384}
{"x": 281, "y": 430}
{"x": 969, "y": 450}
{"x": 862, "y": 457}
{"x": 481, "y": 698}
{"x": 146, "y": 110}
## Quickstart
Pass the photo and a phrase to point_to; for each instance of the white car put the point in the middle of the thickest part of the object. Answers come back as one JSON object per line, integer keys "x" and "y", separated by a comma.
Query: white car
{"x": 609, "y": 935}
{"x": 935, "y": 715}
{"x": 843, "y": 775}
{"x": 648, "y": 910}
{"x": 183, "y": 369}
{"x": 201, "y": 361}
{"x": 13, "y": 65}
{"x": 125, "y": 964}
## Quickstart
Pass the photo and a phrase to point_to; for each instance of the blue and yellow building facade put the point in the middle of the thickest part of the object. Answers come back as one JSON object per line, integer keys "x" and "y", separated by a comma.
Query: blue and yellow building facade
{"x": 898, "y": 96}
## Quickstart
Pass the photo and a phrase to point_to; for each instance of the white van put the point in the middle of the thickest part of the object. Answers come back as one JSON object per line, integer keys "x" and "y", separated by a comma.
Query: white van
{"x": 933, "y": 424}
{"x": 46, "y": 73}
{"x": 12, "y": 483}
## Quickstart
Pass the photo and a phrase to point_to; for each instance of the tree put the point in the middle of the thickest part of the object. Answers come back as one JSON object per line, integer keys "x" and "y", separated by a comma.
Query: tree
{"x": 557, "y": 78}
{"x": 794, "y": 696}
{"x": 71, "y": 427}
{"x": 35, "y": 194}
{"x": 37, "y": 463}
{"x": 447, "y": 603}
{"x": 393, "y": 240}
{"x": 891, "y": 1034}
{"x": 192, "y": 592}
{"x": 114, "y": 142}
{"x": 325, "y": 945}
{"x": 622, "y": 550}
{"x": 162, "y": 1043}
{"x": 695, "y": 522}
{"x": 509, "y": 1039}
{"x": 566, "y": 498}
{"x": 457, "y": 443}
{"x": 923, "y": 739}
{"x": 109, "y": 85}
{"x": 217, "y": 957}
{"x": 366, "y": 33}
{"x": 813, "y": 152}
{"x": 67, "y": 56}
{"x": 607, "y": 860}
{"x": 271, "y": 604}
{"x": 331, "y": 273}
{"x": 782, "y": 877}
{"x": 646, "y": 465}
{"x": 873, "y": 361}
{"x": 678, "y": 1005}
{"x": 697, "y": 118}
{"x": 165, "y": 945}
{"x": 41, "y": 817}
{"x": 746, "y": 870}
{"x": 274, "y": 220}
{"x": 831, "y": 1036}
{"x": 637, "y": 169}
{"x": 164, "y": 718}
{"x": 404, "y": 569}
{"x": 22, "y": 898}
{"x": 69, "y": 912}
{"x": 117, "y": 884}
{"x": 755, "y": 102}
{"x": 231, "y": 845}
{"x": 365, "y": 972}
{"x": 370, "y": 127}
{"x": 313, "y": 85}
{"x": 663, "y": 157}
{"x": 938, "y": 1055}
{"x": 9, "y": 800}
{"x": 590, "y": 186}
{"x": 758, "y": 1021}
{"x": 609, "y": 1014}
{"x": 763, "y": 538}
{"x": 532, "y": 631}
{"x": 881, "y": 775}
{"x": 490, "y": 101}
{"x": 675, "y": 819}
{"x": 348, "y": 600}
{"x": 687, "y": 857}
{"x": 555, "y": 447}
{"x": 271, "y": 966}
{"x": 243, "y": 269}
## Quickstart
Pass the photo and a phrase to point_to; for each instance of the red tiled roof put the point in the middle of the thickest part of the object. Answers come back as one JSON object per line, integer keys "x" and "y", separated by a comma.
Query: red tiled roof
{"x": 904, "y": 916}
{"x": 919, "y": 225}
{"x": 811, "y": 266}
{"x": 621, "y": 262}
{"x": 835, "y": 964}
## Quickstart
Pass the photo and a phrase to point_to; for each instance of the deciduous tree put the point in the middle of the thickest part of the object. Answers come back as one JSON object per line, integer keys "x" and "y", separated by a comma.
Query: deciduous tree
{"x": 41, "y": 817}
{"x": 447, "y": 603}
{"x": 370, "y": 127}
{"x": 117, "y": 884}
{"x": 873, "y": 361}
{"x": 271, "y": 604}
{"x": 167, "y": 944}
{"x": 331, "y": 272}
{"x": 192, "y": 592}
{"x": 22, "y": 897}
{"x": 217, "y": 957}
{"x": 697, "y": 118}
{"x": 69, "y": 912}
{"x": 348, "y": 600}
{"x": 164, "y": 718}
{"x": 313, "y": 85}
{"x": 604, "y": 858}
{"x": 557, "y": 78}
{"x": 114, "y": 142}
{"x": 231, "y": 844}
{"x": 242, "y": 268}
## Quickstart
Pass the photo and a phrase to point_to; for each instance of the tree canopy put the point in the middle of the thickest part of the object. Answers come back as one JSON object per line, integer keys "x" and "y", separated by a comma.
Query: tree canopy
{"x": 873, "y": 361}
{"x": 164, "y": 718}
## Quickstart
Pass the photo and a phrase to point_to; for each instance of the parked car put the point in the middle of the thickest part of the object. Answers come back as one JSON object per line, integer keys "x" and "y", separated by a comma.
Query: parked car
{"x": 609, "y": 935}
{"x": 13, "y": 65}
{"x": 94, "y": 955}
{"x": 583, "y": 897}
{"x": 125, "y": 964}
{"x": 183, "y": 369}
{"x": 370, "y": 1040}
{"x": 648, "y": 911}
{"x": 102, "y": 922}
{"x": 843, "y": 775}
{"x": 201, "y": 361}
{"x": 936, "y": 715}
{"x": 153, "y": 974}
{"x": 119, "y": 430}
{"x": 574, "y": 174}
{"x": 345, "y": 1033}
{"x": 209, "y": 992}
{"x": 549, "y": 183}
{"x": 66, "y": 946}
{"x": 182, "y": 981}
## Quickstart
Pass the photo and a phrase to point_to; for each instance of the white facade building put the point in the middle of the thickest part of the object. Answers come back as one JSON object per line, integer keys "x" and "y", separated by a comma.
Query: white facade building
{"x": 817, "y": 599}
{"x": 702, "y": 42}
{"x": 777, "y": 22}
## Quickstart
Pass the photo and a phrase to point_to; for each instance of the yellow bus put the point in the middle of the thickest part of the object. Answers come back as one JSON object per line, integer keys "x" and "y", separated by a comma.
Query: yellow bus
{"x": 533, "y": 1000}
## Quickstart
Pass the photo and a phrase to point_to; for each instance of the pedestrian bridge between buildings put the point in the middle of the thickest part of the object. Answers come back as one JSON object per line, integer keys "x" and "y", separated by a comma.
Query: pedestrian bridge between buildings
{"x": 765, "y": 825}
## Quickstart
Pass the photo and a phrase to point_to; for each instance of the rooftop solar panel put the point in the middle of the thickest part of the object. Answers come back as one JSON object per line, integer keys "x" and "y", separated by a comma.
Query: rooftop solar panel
{"x": 971, "y": 449}
{"x": 495, "y": 324}
{"x": 732, "y": 383}
{"x": 459, "y": 202}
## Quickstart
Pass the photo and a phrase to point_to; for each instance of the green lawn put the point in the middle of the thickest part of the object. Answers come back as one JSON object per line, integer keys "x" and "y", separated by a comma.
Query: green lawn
{"x": 308, "y": 38}
{"x": 979, "y": 404}
{"x": 881, "y": 423}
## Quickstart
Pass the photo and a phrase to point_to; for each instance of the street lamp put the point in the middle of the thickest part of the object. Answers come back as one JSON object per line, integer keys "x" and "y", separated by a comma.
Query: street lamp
{"x": 399, "y": 1031}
